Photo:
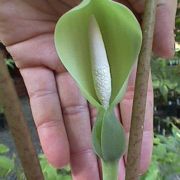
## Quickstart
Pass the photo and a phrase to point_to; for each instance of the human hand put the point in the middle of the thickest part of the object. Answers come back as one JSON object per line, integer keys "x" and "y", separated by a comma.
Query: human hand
{"x": 62, "y": 116}
{"x": 164, "y": 42}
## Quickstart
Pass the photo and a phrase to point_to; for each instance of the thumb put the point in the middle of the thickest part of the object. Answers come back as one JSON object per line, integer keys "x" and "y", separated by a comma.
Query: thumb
{"x": 164, "y": 28}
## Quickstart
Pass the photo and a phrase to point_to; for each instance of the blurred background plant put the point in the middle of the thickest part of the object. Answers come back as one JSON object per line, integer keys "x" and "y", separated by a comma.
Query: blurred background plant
{"x": 10, "y": 170}
{"x": 165, "y": 160}
{"x": 11, "y": 66}
{"x": 166, "y": 84}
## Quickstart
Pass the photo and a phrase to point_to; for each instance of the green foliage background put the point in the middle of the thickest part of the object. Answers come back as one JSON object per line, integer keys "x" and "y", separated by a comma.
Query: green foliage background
{"x": 165, "y": 160}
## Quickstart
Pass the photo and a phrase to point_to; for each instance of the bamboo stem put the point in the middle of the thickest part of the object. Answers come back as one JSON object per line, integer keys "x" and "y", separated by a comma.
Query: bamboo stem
{"x": 17, "y": 124}
{"x": 141, "y": 86}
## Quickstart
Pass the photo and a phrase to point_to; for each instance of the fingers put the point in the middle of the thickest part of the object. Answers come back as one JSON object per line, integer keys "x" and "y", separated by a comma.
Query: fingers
{"x": 77, "y": 121}
{"x": 61, "y": 6}
{"x": 44, "y": 100}
{"x": 29, "y": 53}
{"x": 126, "y": 111}
{"x": 164, "y": 28}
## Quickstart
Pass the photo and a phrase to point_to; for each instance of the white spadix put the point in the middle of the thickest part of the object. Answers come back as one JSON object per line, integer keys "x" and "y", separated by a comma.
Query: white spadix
{"x": 99, "y": 62}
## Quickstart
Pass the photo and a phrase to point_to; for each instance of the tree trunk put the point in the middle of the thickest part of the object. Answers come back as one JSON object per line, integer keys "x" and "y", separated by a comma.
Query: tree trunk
{"x": 141, "y": 86}
{"x": 17, "y": 124}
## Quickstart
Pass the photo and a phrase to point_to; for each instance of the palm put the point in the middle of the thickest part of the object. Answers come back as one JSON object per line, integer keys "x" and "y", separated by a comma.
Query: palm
{"x": 63, "y": 118}
{"x": 29, "y": 30}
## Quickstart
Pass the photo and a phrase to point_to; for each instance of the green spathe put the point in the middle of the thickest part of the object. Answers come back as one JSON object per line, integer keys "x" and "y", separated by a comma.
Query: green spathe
{"x": 93, "y": 35}
{"x": 122, "y": 37}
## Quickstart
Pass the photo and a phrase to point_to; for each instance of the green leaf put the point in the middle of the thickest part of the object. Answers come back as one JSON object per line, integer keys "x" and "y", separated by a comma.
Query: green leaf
{"x": 170, "y": 84}
{"x": 10, "y": 63}
{"x": 156, "y": 141}
{"x": 6, "y": 166}
{"x": 50, "y": 173}
{"x": 3, "y": 149}
{"x": 160, "y": 151}
{"x": 156, "y": 83}
{"x": 108, "y": 136}
{"x": 122, "y": 37}
{"x": 164, "y": 91}
{"x": 153, "y": 172}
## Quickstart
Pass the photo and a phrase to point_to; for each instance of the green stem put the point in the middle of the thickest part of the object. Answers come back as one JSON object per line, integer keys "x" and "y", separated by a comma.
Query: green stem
{"x": 110, "y": 170}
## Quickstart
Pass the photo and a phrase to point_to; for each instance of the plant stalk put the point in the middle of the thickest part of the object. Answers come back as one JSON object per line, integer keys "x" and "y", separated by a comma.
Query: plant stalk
{"x": 141, "y": 86}
{"x": 110, "y": 170}
{"x": 17, "y": 124}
